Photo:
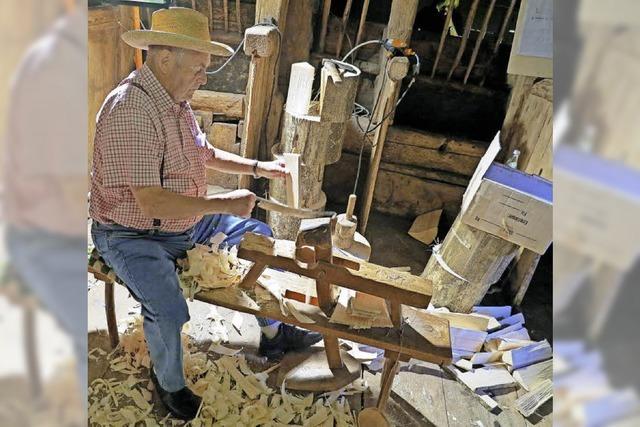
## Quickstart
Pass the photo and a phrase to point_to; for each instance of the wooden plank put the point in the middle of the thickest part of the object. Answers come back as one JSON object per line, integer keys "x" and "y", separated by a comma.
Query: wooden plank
{"x": 498, "y": 312}
{"x": 465, "y": 37}
{"x": 261, "y": 43}
{"x": 405, "y": 340}
{"x": 292, "y": 162}
{"x": 272, "y": 9}
{"x": 485, "y": 379}
{"x": 223, "y": 136}
{"x": 226, "y": 104}
{"x": 512, "y": 320}
{"x": 468, "y": 321}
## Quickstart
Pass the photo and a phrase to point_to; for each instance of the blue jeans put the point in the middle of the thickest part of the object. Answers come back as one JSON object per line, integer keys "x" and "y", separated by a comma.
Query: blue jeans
{"x": 52, "y": 267}
{"x": 145, "y": 261}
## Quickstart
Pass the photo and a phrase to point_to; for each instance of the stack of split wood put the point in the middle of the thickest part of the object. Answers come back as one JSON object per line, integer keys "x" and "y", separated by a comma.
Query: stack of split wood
{"x": 492, "y": 350}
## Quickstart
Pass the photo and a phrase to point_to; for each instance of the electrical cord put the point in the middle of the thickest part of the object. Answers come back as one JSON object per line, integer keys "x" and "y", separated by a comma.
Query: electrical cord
{"x": 344, "y": 59}
{"x": 235, "y": 52}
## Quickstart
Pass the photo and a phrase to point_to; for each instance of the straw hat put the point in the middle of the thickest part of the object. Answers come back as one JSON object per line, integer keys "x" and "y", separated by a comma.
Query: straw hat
{"x": 177, "y": 27}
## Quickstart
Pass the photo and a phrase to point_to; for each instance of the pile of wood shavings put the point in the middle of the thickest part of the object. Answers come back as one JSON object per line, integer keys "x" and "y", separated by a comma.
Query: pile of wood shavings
{"x": 210, "y": 268}
{"x": 233, "y": 395}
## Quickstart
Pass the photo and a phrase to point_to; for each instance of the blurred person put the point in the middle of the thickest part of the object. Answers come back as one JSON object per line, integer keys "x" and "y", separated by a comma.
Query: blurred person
{"x": 149, "y": 200}
{"x": 44, "y": 177}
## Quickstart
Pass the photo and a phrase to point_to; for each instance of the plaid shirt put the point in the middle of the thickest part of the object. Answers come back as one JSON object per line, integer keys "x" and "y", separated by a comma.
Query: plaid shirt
{"x": 139, "y": 134}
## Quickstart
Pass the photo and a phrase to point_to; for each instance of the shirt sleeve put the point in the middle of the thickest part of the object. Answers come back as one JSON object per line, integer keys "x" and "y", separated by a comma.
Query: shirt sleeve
{"x": 131, "y": 149}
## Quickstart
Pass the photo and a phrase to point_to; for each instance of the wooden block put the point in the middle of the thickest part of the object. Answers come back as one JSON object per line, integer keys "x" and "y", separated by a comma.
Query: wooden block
{"x": 398, "y": 68}
{"x": 512, "y": 320}
{"x": 499, "y": 312}
{"x": 300, "y": 86}
{"x": 223, "y": 136}
{"x": 261, "y": 41}
{"x": 292, "y": 162}
{"x": 425, "y": 226}
{"x": 506, "y": 344}
{"x": 461, "y": 354}
{"x": 525, "y": 356}
{"x": 467, "y": 339}
{"x": 508, "y": 341}
{"x": 487, "y": 401}
{"x": 528, "y": 403}
{"x": 532, "y": 375}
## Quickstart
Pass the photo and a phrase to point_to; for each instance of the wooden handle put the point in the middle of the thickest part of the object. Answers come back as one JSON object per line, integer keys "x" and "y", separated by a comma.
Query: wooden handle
{"x": 351, "y": 206}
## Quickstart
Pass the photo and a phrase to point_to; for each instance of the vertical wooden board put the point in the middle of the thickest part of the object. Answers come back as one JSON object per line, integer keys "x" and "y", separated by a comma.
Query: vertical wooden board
{"x": 292, "y": 162}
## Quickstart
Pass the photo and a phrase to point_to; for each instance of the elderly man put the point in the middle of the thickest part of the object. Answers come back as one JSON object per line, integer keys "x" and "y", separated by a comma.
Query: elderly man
{"x": 148, "y": 192}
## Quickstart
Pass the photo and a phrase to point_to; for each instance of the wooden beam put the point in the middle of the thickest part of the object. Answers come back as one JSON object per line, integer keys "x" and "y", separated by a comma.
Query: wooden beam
{"x": 261, "y": 43}
{"x": 465, "y": 37}
{"x": 443, "y": 38}
{"x": 267, "y": 10}
{"x": 225, "y": 8}
{"x": 238, "y": 17}
{"x": 326, "y": 9}
{"x": 400, "y": 26}
{"x": 220, "y": 103}
{"x": 363, "y": 19}
{"x": 521, "y": 275}
{"x": 476, "y": 48}
{"x": 343, "y": 27}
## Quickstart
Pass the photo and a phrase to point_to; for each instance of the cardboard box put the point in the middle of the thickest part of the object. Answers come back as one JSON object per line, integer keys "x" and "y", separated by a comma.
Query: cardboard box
{"x": 509, "y": 203}
{"x": 598, "y": 207}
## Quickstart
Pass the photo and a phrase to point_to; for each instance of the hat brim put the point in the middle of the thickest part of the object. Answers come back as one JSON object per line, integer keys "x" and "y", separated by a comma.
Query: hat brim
{"x": 142, "y": 39}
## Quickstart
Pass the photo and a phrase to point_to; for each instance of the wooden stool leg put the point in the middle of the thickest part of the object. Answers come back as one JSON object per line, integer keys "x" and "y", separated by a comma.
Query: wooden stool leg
{"x": 31, "y": 350}
{"x": 388, "y": 375}
{"x": 253, "y": 275}
{"x": 110, "y": 310}
{"x": 332, "y": 348}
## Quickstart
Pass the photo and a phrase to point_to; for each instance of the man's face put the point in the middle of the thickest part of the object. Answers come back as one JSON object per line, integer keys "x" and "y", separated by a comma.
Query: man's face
{"x": 188, "y": 73}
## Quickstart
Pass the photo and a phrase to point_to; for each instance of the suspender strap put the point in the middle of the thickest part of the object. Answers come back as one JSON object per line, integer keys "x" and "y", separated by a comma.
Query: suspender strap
{"x": 156, "y": 222}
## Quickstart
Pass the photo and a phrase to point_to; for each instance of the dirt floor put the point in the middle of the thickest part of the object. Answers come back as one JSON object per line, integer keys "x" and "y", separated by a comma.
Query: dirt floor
{"x": 422, "y": 394}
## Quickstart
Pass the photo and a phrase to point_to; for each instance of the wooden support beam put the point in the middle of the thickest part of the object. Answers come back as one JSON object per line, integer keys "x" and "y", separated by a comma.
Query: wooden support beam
{"x": 220, "y": 103}
{"x": 261, "y": 43}
{"x": 363, "y": 19}
{"x": 465, "y": 37}
{"x": 381, "y": 117}
{"x": 276, "y": 10}
{"x": 225, "y": 8}
{"x": 386, "y": 380}
{"x": 443, "y": 38}
{"x": 476, "y": 48}
{"x": 238, "y": 17}
{"x": 521, "y": 275}
{"x": 326, "y": 9}
{"x": 343, "y": 27}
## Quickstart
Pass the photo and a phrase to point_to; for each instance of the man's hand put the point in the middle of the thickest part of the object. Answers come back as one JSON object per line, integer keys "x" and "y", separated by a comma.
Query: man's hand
{"x": 273, "y": 169}
{"x": 238, "y": 202}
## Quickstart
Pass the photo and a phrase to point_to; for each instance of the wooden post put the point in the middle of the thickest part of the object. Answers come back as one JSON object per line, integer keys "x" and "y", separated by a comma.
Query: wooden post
{"x": 396, "y": 70}
{"x": 267, "y": 10}
{"x": 400, "y": 27}
{"x": 521, "y": 275}
{"x": 326, "y": 8}
{"x": 443, "y": 38}
{"x": 476, "y": 48}
{"x": 363, "y": 19}
{"x": 110, "y": 311}
{"x": 238, "y": 14}
{"x": 386, "y": 380}
{"x": 467, "y": 263}
{"x": 465, "y": 37}
{"x": 261, "y": 43}
{"x": 225, "y": 10}
{"x": 343, "y": 27}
